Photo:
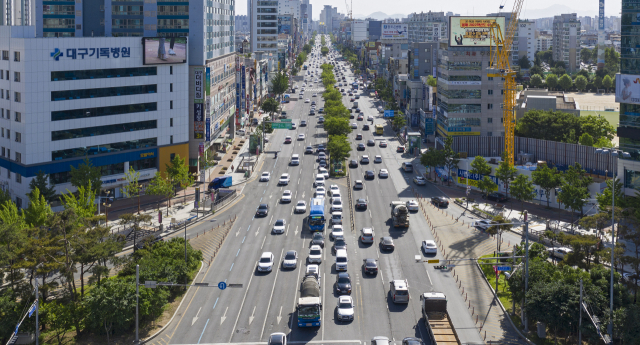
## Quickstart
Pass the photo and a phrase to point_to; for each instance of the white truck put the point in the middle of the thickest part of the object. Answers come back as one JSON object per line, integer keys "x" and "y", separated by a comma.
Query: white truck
{"x": 399, "y": 214}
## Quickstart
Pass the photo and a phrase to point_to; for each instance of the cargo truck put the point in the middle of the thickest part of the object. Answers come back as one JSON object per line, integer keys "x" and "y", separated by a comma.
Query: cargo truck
{"x": 437, "y": 320}
{"x": 310, "y": 302}
{"x": 399, "y": 214}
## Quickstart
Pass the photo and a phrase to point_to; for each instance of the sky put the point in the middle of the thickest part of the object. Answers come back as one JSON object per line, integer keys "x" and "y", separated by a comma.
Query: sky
{"x": 463, "y": 7}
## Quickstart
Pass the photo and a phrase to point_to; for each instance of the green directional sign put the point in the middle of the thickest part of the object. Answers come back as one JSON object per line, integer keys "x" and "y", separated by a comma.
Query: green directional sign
{"x": 281, "y": 125}
{"x": 286, "y": 120}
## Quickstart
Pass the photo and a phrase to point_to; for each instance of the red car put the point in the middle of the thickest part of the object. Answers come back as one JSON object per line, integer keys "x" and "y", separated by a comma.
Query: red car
{"x": 287, "y": 140}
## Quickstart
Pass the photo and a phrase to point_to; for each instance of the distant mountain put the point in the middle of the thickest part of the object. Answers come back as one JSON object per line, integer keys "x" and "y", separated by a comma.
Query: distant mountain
{"x": 379, "y": 15}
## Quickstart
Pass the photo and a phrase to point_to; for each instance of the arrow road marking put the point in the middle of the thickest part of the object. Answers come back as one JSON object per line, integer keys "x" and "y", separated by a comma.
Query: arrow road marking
{"x": 296, "y": 230}
{"x": 252, "y": 313}
{"x": 265, "y": 238}
{"x": 224, "y": 316}
{"x": 280, "y": 315}
{"x": 196, "y": 317}
{"x": 257, "y": 231}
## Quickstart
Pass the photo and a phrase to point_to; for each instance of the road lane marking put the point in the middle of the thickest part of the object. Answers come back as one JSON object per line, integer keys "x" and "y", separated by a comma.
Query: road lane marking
{"x": 224, "y": 317}
{"x": 205, "y": 327}
{"x": 243, "y": 239}
{"x": 195, "y": 318}
{"x": 271, "y": 298}
{"x": 231, "y": 266}
{"x": 238, "y": 252}
{"x": 252, "y": 314}
{"x": 241, "y": 305}
{"x": 215, "y": 304}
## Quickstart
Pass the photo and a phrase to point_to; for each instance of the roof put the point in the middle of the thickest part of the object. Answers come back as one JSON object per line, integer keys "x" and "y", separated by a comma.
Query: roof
{"x": 266, "y": 255}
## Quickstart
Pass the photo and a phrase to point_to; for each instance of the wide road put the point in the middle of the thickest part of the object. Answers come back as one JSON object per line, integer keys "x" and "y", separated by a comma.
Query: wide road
{"x": 266, "y": 302}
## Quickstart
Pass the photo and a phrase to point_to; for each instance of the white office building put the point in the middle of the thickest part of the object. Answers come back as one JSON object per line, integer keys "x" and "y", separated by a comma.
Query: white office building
{"x": 526, "y": 41}
{"x": 359, "y": 31}
{"x": 290, "y": 7}
{"x": 64, "y": 99}
{"x": 566, "y": 41}
{"x": 264, "y": 26}
{"x": 427, "y": 27}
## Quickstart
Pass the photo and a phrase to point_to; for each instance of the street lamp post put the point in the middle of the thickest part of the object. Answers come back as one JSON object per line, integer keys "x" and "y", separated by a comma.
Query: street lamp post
{"x": 613, "y": 154}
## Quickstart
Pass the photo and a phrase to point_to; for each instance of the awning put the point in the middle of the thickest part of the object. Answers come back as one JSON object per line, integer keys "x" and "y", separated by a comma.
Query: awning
{"x": 219, "y": 141}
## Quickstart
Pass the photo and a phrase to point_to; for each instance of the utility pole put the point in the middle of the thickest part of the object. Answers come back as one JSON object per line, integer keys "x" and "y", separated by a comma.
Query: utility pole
{"x": 137, "y": 301}
{"x": 185, "y": 251}
{"x": 526, "y": 268}
{"x": 37, "y": 314}
{"x": 580, "y": 319}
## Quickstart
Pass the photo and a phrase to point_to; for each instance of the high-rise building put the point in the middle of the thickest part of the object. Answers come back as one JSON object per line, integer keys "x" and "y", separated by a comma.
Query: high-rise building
{"x": 264, "y": 26}
{"x": 328, "y": 17}
{"x": 526, "y": 42}
{"x": 543, "y": 43}
{"x": 566, "y": 40}
{"x": 629, "y": 127}
{"x": 289, "y": 7}
{"x": 427, "y": 27}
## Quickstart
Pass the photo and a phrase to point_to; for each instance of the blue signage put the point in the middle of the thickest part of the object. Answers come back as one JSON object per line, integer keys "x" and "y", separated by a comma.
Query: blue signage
{"x": 74, "y": 53}
{"x": 388, "y": 113}
{"x": 502, "y": 268}
{"x": 207, "y": 129}
{"x": 458, "y": 129}
{"x": 222, "y": 285}
{"x": 244, "y": 89}
{"x": 475, "y": 177}
{"x": 429, "y": 126}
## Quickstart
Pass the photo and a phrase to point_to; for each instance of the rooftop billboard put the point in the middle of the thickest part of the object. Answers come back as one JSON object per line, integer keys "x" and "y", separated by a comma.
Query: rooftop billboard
{"x": 473, "y": 31}
{"x": 160, "y": 50}
{"x": 394, "y": 32}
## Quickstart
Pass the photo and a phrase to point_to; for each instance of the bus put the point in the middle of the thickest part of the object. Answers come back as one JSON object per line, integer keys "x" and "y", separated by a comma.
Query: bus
{"x": 287, "y": 98}
{"x": 304, "y": 67}
{"x": 354, "y": 85}
{"x": 379, "y": 129}
{"x": 316, "y": 214}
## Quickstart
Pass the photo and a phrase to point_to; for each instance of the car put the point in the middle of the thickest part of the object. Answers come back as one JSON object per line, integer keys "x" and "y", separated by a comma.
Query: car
{"x": 413, "y": 206}
{"x": 383, "y": 143}
{"x": 343, "y": 284}
{"x": 371, "y": 142}
{"x": 339, "y": 243}
{"x": 301, "y": 207}
{"x": 279, "y": 226}
{"x": 358, "y": 184}
{"x": 358, "y": 110}
{"x": 321, "y": 119}
{"x": 336, "y": 231}
{"x": 263, "y": 210}
{"x": 334, "y": 188}
{"x": 303, "y": 123}
{"x": 350, "y": 94}
{"x": 420, "y": 181}
{"x": 440, "y": 201}
{"x": 370, "y": 266}
{"x": 499, "y": 197}
{"x": 369, "y": 175}
{"x": 377, "y": 159}
{"x": 284, "y": 179}
{"x": 482, "y": 224}
{"x": 290, "y": 259}
{"x": 386, "y": 243}
{"x": 277, "y": 339}
{"x": 313, "y": 103}
{"x": 307, "y": 100}
{"x": 559, "y": 252}
{"x": 315, "y": 254}
{"x": 320, "y": 192}
{"x": 315, "y": 94}
{"x": 383, "y": 173}
{"x": 361, "y": 147}
{"x": 336, "y": 205}
{"x": 358, "y": 136}
{"x": 286, "y": 196}
{"x": 429, "y": 247}
{"x": 324, "y": 172}
{"x": 265, "y": 177}
{"x": 380, "y": 109}
{"x": 312, "y": 111}
{"x": 369, "y": 118}
{"x": 365, "y": 128}
{"x": 367, "y": 235}
{"x": 265, "y": 264}
{"x": 379, "y": 341}
{"x": 357, "y": 96}
{"x": 321, "y": 155}
{"x": 360, "y": 117}
{"x": 353, "y": 163}
{"x": 361, "y": 204}
{"x": 308, "y": 150}
{"x": 364, "y": 159}
{"x": 287, "y": 140}
{"x": 293, "y": 125}
{"x": 321, "y": 148}
{"x": 319, "y": 181}
{"x": 321, "y": 111}
{"x": 344, "y": 309}
{"x": 301, "y": 136}
{"x": 322, "y": 163}
{"x": 412, "y": 341}
{"x": 354, "y": 126}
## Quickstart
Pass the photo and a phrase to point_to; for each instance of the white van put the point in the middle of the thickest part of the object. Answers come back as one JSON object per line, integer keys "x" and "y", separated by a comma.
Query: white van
{"x": 341, "y": 260}
{"x": 295, "y": 159}
{"x": 407, "y": 166}
{"x": 240, "y": 132}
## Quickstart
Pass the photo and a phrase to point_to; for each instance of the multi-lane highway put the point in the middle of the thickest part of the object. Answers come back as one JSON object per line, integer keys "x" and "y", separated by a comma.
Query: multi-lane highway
{"x": 266, "y": 303}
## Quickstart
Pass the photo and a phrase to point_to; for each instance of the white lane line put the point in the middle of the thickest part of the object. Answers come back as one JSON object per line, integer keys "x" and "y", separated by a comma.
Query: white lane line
{"x": 287, "y": 232}
{"x": 238, "y": 252}
{"x": 224, "y": 317}
{"x": 429, "y": 277}
{"x": 215, "y": 304}
{"x": 231, "y": 266}
{"x": 271, "y": 298}
{"x": 265, "y": 238}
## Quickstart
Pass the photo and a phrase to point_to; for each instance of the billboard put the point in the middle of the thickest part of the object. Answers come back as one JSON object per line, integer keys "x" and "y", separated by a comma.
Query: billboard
{"x": 394, "y": 32}
{"x": 628, "y": 88}
{"x": 473, "y": 31}
{"x": 160, "y": 50}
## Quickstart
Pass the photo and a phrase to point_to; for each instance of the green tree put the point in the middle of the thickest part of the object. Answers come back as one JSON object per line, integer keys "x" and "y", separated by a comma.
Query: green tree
{"x": 548, "y": 179}
{"x": 339, "y": 147}
{"x": 536, "y": 80}
{"x": 506, "y": 172}
{"x": 551, "y": 81}
{"x": 86, "y": 175}
{"x": 545, "y": 301}
{"x": 58, "y": 316}
{"x": 109, "y": 306}
{"x": 39, "y": 211}
{"x": 607, "y": 82}
{"x": 480, "y": 166}
{"x": 451, "y": 158}
{"x": 486, "y": 185}
{"x": 498, "y": 229}
{"x": 581, "y": 83}
{"x": 596, "y": 126}
{"x": 611, "y": 61}
{"x": 586, "y": 139}
{"x": 270, "y": 106}
{"x": 603, "y": 142}
{"x": 337, "y": 126}
{"x": 398, "y": 121}
{"x": 524, "y": 62}
{"x": 160, "y": 186}
{"x": 132, "y": 188}
{"x": 431, "y": 81}
{"x": 81, "y": 203}
{"x": 585, "y": 55}
{"x": 280, "y": 83}
{"x": 575, "y": 190}
{"x": 432, "y": 159}
{"x": 46, "y": 188}
{"x": 178, "y": 173}
{"x": 597, "y": 81}
{"x": 324, "y": 51}
{"x": 604, "y": 198}
{"x": 134, "y": 221}
{"x": 522, "y": 189}
{"x": 536, "y": 70}
{"x": 565, "y": 82}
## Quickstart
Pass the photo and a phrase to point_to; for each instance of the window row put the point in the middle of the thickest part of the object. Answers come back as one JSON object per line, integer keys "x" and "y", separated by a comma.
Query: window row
{"x": 104, "y": 92}
{"x": 103, "y": 130}
{"x": 5, "y": 75}
{"x": 59, "y": 23}
{"x": 461, "y": 94}
{"x": 108, "y": 170}
{"x": 103, "y": 111}
{"x": 103, "y": 73}
{"x": 103, "y": 149}
{"x": 463, "y": 122}
{"x": 127, "y": 10}
{"x": 6, "y": 94}
{"x": 5, "y": 56}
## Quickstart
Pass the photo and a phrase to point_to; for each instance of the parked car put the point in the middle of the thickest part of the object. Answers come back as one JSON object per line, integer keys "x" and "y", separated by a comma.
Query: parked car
{"x": 499, "y": 197}
{"x": 440, "y": 201}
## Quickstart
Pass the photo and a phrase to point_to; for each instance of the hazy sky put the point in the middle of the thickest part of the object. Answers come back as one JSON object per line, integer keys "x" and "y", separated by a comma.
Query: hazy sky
{"x": 463, "y": 7}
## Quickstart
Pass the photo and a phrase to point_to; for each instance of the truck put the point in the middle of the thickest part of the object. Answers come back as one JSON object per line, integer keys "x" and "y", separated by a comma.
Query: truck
{"x": 310, "y": 303}
{"x": 399, "y": 214}
{"x": 437, "y": 320}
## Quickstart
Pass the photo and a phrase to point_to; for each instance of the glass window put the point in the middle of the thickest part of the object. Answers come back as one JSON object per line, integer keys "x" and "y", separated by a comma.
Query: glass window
{"x": 16, "y": 56}
{"x": 112, "y": 169}
{"x": 5, "y": 55}
{"x": 632, "y": 179}
{"x": 103, "y": 111}
{"x": 103, "y": 149}
{"x": 461, "y": 94}
{"x": 103, "y": 130}
{"x": 18, "y": 138}
{"x": 103, "y": 92}
{"x": 464, "y": 122}
{"x": 16, "y": 76}
{"x": 147, "y": 163}
{"x": 103, "y": 73}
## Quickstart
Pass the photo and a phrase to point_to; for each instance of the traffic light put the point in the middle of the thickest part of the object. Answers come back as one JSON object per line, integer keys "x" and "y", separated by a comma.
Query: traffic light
{"x": 440, "y": 267}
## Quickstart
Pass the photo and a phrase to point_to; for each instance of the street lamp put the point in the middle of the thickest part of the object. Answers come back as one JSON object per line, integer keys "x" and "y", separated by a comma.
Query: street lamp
{"x": 105, "y": 204}
{"x": 613, "y": 154}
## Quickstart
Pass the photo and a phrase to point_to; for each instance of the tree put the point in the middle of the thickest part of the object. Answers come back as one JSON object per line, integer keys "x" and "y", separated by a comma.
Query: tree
{"x": 337, "y": 126}
{"x": 399, "y": 121}
{"x": 551, "y": 81}
{"x": 499, "y": 229}
{"x": 565, "y": 82}
{"x": 432, "y": 159}
{"x": 611, "y": 61}
{"x": 86, "y": 175}
{"x": 110, "y": 305}
{"x": 522, "y": 189}
{"x": 486, "y": 185}
{"x": 575, "y": 190}
{"x": 604, "y": 198}
{"x": 596, "y": 126}
{"x": 451, "y": 158}
{"x": 506, "y": 172}
{"x": 58, "y": 316}
{"x": 280, "y": 83}
{"x": 524, "y": 62}
{"x": 597, "y": 81}
{"x": 339, "y": 147}
{"x": 480, "y": 166}
{"x": 46, "y": 188}
{"x": 132, "y": 187}
{"x": 586, "y": 139}
{"x": 81, "y": 203}
{"x": 547, "y": 179}
{"x": 536, "y": 80}
{"x": 431, "y": 81}
{"x": 581, "y": 83}
{"x": 607, "y": 82}
{"x": 324, "y": 51}
{"x": 585, "y": 55}
{"x": 135, "y": 220}
{"x": 39, "y": 211}
{"x": 554, "y": 303}
{"x": 536, "y": 70}
{"x": 178, "y": 173}
{"x": 161, "y": 187}
{"x": 603, "y": 142}
{"x": 270, "y": 106}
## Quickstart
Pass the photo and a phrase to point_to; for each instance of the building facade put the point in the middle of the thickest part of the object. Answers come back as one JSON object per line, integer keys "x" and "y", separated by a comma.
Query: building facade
{"x": 264, "y": 26}
{"x": 427, "y": 27}
{"x": 526, "y": 44}
{"x": 423, "y": 59}
{"x": 566, "y": 41}
{"x": 543, "y": 43}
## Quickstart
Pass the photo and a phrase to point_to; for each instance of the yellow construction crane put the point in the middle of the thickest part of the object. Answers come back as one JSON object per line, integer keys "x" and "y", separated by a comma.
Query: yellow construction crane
{"x": 499, "y": 67}
{"x": 349, "y": 9}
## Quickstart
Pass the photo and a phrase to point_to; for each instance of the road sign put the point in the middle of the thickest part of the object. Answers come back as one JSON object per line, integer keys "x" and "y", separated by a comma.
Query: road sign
{"x": 503, "y": 268}
{"x": 222, "y": 285}
{"x": 433, "y": 261}
{"x": 286, "y": 120}
{"x": 281, "y": 125}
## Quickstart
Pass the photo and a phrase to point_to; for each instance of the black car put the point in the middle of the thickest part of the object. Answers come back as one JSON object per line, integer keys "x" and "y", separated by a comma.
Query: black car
{"x": 361, "y": 204}
{"x": 321, "y": 148}
{"x": 339, "y": 243}
{"x": 321, "y": 111}
{"x": 499, "y": 197}
{"x": 343, "y": 284}
{"x": 357, "y": 110}
{"x": 358, "y": 136}
{"x": 353, "y": 163}
{"x": 318, "y": 238}
{"x": 263, "y": 210}
{"x": 440, "y": 201}
{"x": 361, "y": 147}
{"x": 365, "y": 127}
{"x": 386, "y": 243}
{"x": 371, "y": 142}
{"x": 412, "y": 341}
{"x": 308, "y": 149}
{"x": 369, "y": 175}
{"x": 370, "y": 266}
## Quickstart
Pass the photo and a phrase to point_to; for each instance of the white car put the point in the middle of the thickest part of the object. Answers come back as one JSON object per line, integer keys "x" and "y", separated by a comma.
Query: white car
{"x": 324, "y": 172}
{"x": 560, "y": 252}
{"x": 383, "y": 173}
{"x": 336, "y": 194}
{"x": 319, "y": 181}
{"x": 369, "y": 118}
{"x": 320, "y": 192}
{"x": 315, "y": 254}
{"x": 279, "y": 226}
{"x": 313, "y": 270}
{"x": 336, "y": 231}
{"x": 412, "y": 205}
{"x": 336, "y": 205}
{"x": 315, "y": 94}
{"x": 265, "y": 177}
{"x": 377, "y": 159}
{"x": 290, "y": 259}
{"x": 301, "y": 136}
{"x": 307, "y": 100}
{"x": 284, "y": 179}
{"x": 345, "y": 308}
{"x": 286, "y": 196}
{"x": 429, "y": 247}
{"x": 354, "y": 125}
{"x": 334, "y": 188}
{"x": 265, "y": 264}
{"x": 482, "y": 224}
{"x": 419, "y": 180}
{"x": 301, "y": 207}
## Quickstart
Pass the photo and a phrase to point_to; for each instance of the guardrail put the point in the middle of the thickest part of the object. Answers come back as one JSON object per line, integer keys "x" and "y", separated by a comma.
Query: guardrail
{"x": 352, "y": 218}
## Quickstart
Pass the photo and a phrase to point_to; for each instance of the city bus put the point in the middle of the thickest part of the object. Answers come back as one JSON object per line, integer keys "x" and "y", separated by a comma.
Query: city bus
{"x": 316, "y": 215}
{"x": 287, "y": 98}
{"x": 379, "y": 129}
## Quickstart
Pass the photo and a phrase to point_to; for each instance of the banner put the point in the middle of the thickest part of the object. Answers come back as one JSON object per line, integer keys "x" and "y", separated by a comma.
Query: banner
{"x": 208, "y": 81}
{"x": 198, "y": 83}
{"x": 388, "y": 113}
{"x": 198, "y": 121}
{"x": 207, "y": 129}
{"x": 394, "y": 32}
{"x": 628, "y": 88}
{"x": 244, "y": 88}
{"x": 473, "y": 31}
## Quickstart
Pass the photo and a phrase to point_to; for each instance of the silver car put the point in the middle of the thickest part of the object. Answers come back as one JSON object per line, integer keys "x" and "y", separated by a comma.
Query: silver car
{"x": 290, "y": 259}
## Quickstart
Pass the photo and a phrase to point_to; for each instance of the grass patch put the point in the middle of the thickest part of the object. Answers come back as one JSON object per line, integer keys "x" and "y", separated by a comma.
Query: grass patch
{"x": 503, "y": 293}
{"x": 613, "y": 117}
